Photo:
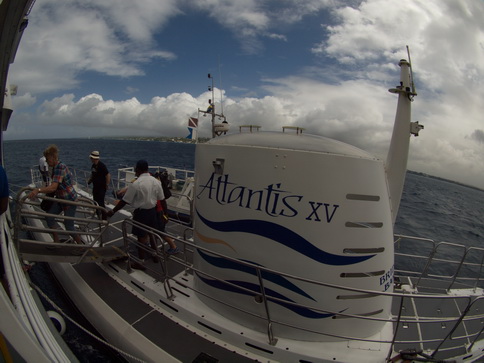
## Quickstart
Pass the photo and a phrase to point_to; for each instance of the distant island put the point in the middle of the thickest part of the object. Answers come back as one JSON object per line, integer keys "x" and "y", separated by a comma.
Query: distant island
{"x": 177, "y": 139}
{"x": 444, "y": 180}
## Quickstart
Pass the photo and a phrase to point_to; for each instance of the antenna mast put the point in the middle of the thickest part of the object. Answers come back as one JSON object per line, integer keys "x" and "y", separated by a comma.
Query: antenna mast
{"x": 414, "y": 91}
{"x": 221, "y": 93}
{"x": 219, "y": 128}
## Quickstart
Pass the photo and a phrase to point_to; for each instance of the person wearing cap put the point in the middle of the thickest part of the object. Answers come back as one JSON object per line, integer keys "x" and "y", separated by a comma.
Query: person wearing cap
{"x": 100, "y": 179}
{"x": 143, "y": 195}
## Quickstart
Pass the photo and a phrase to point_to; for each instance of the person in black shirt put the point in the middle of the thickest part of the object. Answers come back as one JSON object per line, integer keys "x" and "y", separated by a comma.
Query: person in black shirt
{"x": 100, "y": 179}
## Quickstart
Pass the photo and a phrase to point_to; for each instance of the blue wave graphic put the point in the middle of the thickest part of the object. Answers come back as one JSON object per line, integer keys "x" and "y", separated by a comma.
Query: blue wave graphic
{"x": 277, "y": 279}
{"x": 285, "y": 237}
{"x": 305, "y": 312}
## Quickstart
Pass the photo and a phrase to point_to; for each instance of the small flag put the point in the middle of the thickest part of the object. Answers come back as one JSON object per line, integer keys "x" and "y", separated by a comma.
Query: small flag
{"x": 192, "y": 133}
{"x": 193, "y": 122}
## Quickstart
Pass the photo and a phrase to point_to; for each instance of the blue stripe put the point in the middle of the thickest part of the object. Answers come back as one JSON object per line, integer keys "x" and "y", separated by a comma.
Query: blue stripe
{"x": 305, "y": 312}
{"x": 276, "y": 279}
{"x": 284, "y": 236}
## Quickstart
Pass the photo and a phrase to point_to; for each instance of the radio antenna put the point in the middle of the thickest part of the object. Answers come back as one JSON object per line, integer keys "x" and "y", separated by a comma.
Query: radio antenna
{"x": 221, "y": 93}
{"x": 414, "y": 90}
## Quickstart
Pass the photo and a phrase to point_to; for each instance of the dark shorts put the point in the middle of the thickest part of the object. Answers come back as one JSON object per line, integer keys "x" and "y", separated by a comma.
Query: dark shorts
{"x": 147, "y": 217}
{"x": 98, "y": 195}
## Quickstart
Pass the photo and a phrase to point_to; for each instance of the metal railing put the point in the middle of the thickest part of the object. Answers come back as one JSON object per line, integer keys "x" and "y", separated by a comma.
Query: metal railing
{"x": 89, "y": 223}
{"x": 126, "y": 175}
{"x": 466, "y": 261}
{"x": 81, "y": 178}
{"x": 470, "y": 301}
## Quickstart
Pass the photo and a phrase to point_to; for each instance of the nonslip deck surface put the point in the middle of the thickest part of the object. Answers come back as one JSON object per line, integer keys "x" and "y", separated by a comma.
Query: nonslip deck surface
{"x": 170, "y": 336}
{"x": 441, "y": 321}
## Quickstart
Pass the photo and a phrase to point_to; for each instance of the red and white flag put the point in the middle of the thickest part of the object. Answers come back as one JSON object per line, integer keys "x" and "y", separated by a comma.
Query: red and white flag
{"x": 193, "y": 122}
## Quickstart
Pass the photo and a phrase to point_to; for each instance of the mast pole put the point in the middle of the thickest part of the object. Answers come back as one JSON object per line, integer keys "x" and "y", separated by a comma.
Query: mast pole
{"x": 212, "y": 103}
{"x": 221, "y": 94}
{"x": 396, "y": 165}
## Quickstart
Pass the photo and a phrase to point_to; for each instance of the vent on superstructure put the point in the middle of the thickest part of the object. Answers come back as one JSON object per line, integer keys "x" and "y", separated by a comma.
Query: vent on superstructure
{"x": 362, "y": 274}
{"x": 363, "y": 197}
{"x": 364, "y": 250}
{"x": 355, "y": 296}
{"x": 364, "y": 224}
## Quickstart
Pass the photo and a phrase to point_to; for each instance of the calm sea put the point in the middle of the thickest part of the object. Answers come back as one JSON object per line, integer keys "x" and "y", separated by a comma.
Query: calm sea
{"x": 430, "y": 208}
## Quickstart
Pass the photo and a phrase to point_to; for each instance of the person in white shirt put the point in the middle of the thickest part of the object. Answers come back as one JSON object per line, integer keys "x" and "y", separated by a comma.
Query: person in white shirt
{"x": 143, "y": 195}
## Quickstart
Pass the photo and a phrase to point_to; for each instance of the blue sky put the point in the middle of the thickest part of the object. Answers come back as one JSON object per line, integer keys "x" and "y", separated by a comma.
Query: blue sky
{"x": 122, "y": 67}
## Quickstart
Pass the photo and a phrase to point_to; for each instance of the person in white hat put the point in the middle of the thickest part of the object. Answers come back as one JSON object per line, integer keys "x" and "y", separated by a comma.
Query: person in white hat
{"x": 100, "y": 179}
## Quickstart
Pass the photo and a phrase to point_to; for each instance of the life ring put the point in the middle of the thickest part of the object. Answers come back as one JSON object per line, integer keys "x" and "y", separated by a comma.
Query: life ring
{"x": 58, "y": 321}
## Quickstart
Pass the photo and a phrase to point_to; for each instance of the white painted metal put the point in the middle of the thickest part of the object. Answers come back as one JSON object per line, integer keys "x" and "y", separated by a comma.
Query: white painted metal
{"x": 396, "y": 164}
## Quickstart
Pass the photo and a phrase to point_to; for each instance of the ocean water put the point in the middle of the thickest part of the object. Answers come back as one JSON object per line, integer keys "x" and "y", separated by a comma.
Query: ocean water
{"x": 430, "y": 208}
{"x": 21, "y": 155}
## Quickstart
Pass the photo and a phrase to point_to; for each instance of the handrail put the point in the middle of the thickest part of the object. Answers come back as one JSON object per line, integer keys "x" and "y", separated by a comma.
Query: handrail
{"x": 21, "y": 199}
{"x": 178, "y": 174}
{"x": 155, "y": 241}
{"x": 190, "y": 209}
{"x": 27, "y": 317}
{"x": 398, "y": 320}
{"x": 434, "y": 247}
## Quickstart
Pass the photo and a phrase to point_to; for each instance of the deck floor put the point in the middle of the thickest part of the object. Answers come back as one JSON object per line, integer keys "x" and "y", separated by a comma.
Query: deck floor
{"x": 430, "y": 331}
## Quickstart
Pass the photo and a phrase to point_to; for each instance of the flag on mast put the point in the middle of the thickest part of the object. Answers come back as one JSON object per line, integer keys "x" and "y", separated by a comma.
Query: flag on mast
{"x": 192, "y": 128}
{"x": 193, "y": 122}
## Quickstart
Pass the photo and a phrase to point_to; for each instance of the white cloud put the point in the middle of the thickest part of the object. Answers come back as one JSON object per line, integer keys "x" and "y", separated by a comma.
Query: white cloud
{"x": 446, "y": 39}
{"x": 246, "y": 19}
{"x": 345, "y": 98}
{"x": 109, "y": 37}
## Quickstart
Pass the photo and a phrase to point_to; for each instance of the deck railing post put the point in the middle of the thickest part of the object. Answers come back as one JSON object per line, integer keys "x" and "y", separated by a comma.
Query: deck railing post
{"x": 270, "y": 333}
{"x": 429, "y": 261}
{"x": 479, "y": 274}
{"x": 458, "y": 269}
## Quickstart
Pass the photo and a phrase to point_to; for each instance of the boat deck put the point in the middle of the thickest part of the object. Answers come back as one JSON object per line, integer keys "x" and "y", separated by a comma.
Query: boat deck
{"x": 428, "y": 324}
{"x": 150, "y": 322}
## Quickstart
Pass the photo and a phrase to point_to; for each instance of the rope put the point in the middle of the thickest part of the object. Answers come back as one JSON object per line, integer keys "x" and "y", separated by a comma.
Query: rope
{"x": 412, "y": 355}
{"x": 59, "y": 310}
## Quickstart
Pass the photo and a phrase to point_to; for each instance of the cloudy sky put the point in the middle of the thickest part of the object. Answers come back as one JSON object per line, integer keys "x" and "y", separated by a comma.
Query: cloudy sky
{"x": 121, "y": 67}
